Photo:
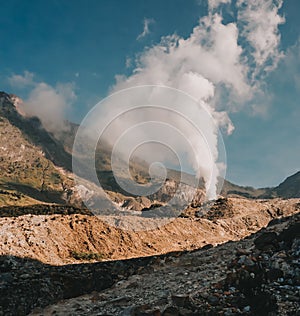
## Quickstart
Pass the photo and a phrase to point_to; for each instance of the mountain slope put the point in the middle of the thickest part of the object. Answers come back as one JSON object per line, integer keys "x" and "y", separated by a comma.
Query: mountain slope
{"x": 231, "y": 189}
{"x": 36, "y": 167}
{"x": 31, "y": 160}
{"x": 290, "y": 187}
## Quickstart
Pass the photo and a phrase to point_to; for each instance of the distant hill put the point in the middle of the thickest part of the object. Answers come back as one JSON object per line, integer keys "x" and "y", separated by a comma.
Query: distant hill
{"x": 231, "y": 189}
{"x": 290, "y": 187}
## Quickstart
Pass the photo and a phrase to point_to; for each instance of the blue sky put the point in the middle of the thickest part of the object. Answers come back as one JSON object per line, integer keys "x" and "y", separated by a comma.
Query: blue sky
{"x": 85, "y": 44}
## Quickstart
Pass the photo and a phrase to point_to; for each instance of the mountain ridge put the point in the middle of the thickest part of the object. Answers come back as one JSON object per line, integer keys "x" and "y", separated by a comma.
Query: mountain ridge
{"x": 55, "y": 151}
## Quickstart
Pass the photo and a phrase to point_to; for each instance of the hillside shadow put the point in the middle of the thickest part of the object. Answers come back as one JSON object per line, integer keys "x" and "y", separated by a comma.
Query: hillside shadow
{"x": 43, "y": 196}
{"x": 42, "y": 209}
{"x": 27, "y": 283}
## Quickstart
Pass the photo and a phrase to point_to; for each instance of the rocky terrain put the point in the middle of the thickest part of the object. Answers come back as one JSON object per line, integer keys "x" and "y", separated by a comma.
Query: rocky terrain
{"x": 258, "y": 275}
{"x": 30, "y": 170}
{"x": 197, "y": 264}
{"x": 54, "y": 239}
{"x": 35, "y": 167}
{"x": 237, "y": 255}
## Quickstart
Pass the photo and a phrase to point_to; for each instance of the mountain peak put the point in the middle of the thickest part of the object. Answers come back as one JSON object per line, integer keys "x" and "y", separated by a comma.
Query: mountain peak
{"x": 5, "y": 99}
{"x": 290, "y": 187}
{"x": 10, "y": 103}
{"x": 17, "y": 102}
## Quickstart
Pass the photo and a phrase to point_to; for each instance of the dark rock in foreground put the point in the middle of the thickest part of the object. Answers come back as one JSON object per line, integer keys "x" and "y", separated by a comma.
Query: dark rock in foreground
{"x": 259, "y": 275}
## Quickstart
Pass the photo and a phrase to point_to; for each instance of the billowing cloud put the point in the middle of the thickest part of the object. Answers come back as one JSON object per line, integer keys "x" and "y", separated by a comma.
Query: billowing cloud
{"x": 259, "y": 21}
{"x": 50, "y": 104}
{"x": 208, "y": 59}
{"x": 221, "y": 65}
{"x": 213, "y": 4}
{"x": 46, "y": 102}
{"x": 146, "y": 29}
{"x": 21, "y": 81}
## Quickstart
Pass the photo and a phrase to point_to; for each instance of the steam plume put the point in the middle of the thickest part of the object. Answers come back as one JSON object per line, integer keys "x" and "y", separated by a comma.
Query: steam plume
{"x": 211, "y": 62}
{"x": 48, "y": 103}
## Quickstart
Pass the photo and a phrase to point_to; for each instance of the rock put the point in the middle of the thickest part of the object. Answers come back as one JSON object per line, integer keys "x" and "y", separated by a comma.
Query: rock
{"x": 289, "y": 234}
{"x": 263, "y": 303}
{"x": 240, "y": 252}
{"x": 187, "y": 312}
{"x": 147, "y": 312}
{"x": 6, "y": 277}
{"x": 180, "y": 300}
{"x": 274, "y": 274}
{"x": 213, "y": 300}
{"x": 171, "y": 311}
{"x": 244, "y": 260}
{"x": 274, "y": 221}
{"x": 258, "y": 283}
{"x": 204, "y": 294}
{"x": 228, "y": 312}
{"x": 142, "y": 310}
{"x": 146, "y": 203}
{"x": 206, "y": 247}
{"x": 247, "y": 309}
{"x": 266, "y": 241}
{"x": 119, "y": 300}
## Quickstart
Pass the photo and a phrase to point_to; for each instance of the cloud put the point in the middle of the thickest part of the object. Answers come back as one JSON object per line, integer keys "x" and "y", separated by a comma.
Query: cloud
{"x": 95, "y": 74}
{"x": 50, "y": 104}
{"x": 214, "y": 4}
{"x": 21, "y": 81}
{"x": 221, "y": 65}
{"x": 291, "y": 65}
{"x": 259, "y": 21}
{"x": 44, "y": 101}
{"x": 209, "y": 60}
{"x": 128, "y": 62}
{"x": 146, "y": 29}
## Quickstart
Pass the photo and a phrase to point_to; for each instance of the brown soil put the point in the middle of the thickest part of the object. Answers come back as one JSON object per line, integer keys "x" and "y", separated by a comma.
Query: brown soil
{"x": 61, "y": 239}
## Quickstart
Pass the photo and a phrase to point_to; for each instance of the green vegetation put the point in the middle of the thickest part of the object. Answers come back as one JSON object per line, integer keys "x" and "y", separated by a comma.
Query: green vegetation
{"x": 81, "y": 255}
{"x": 10, "y": 196}
{"x": 55, "y": 178}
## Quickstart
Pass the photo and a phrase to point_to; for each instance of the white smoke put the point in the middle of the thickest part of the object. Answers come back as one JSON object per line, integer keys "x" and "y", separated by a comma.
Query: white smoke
{"x": 46, "y": 102}
{"x": 50, "y": 105}
{"x": 210, "y": 61}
